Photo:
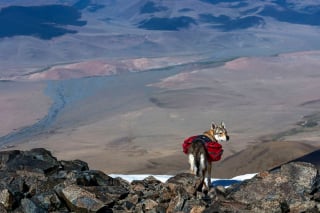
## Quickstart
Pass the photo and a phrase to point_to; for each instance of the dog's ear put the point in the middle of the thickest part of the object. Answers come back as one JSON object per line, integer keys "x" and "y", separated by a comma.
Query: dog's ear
{"x": 223, "y": 125}
{"x": 213, "y": 125}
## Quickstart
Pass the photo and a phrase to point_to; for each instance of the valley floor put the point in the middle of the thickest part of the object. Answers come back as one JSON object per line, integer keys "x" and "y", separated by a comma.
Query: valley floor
{"x": 136, "y": 122}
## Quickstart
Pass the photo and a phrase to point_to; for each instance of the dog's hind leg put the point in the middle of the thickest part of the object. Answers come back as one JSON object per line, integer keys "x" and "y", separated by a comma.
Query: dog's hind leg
{"x": 193, "y": 167}
{"x": 209, "y": 174}
{"x": 203, "y": 169}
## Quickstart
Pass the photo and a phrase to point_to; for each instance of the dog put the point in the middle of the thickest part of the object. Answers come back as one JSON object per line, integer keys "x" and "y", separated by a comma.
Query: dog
{"x": 198, "y": 155}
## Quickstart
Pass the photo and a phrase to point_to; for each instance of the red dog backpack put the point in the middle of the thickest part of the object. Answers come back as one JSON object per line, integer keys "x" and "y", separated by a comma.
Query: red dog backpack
{"x": 213, "y": 148}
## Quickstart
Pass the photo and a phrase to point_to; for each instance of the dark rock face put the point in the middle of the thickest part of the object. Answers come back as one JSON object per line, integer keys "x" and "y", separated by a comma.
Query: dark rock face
{"x": 35, "y": 181}
{"x": 291, "y": 188}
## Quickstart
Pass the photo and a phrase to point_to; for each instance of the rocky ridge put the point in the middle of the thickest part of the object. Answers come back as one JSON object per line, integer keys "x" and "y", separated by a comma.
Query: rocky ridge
{"x": 35, "y": 181}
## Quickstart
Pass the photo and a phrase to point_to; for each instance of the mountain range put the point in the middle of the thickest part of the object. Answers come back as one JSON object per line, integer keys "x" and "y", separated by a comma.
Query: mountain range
{"x": 49, "y": 21}
{"x": 58, "y": 32}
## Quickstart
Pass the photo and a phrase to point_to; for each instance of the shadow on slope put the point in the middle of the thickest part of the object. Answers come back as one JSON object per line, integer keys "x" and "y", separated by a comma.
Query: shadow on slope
{"x": 313, "y": 158}
{"x": 44, "y": 22}
{"x": 260, "y": 157}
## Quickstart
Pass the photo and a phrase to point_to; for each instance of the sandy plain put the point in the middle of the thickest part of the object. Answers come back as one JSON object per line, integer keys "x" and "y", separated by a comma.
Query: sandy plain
{"x": 22, "y": 104}
{"x": 267, "y": 104}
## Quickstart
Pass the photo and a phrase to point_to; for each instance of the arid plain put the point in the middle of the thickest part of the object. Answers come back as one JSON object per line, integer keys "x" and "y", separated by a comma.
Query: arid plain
{"x": 269, "y": 105}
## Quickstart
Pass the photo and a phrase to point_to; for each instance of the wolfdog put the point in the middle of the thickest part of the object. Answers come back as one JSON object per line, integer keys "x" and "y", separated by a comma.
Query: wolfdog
{"x": 199, "y": 159}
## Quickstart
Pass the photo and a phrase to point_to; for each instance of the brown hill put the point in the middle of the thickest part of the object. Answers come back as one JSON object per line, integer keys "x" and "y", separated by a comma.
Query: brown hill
{"x": 262, "y": 156}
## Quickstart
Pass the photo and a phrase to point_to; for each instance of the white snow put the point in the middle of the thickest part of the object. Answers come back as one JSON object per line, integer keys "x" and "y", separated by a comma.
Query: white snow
{"x": 164, "y": 178}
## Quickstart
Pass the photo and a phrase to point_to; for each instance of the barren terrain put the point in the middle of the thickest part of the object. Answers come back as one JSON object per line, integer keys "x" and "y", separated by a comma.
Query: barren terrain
{"x": 21, "y": 104}
{"x": 140, "y": 130}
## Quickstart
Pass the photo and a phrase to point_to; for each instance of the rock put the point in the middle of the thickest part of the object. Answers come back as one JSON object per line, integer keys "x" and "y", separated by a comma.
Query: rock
{"x": 285, "y": 188}
{"x": 304, "y": 206}
{"x": 197, "y": 209}
{"x": 302, "y": 175}
{"x": 178, "y": 199}
{"x": 34, "y": 162}
{"x": 226, "y": 206}
{"x": 189, "y": 182}
{"x": 194, "y": 205}
{"x": 6, "y": 199}
{"x": 81, "y": 200}
{"x": 108, "y": 194}
{"x": 89, "y": 178}
{"x": 29, "y": 206}
{"x": 138, "y": 186}
{"x": 35, "y": 181}
{"x": 7, "y": 156}
{"x": 165, "y": 194}
{"x": 48, "y": 200}
{"x": 149, "y": 204}
{"x": 269, "y": 206}
{"x": 133, "y": 198}
{"x": 127, "y": 205}
{"x": 2, "y": 208}
{"x": 77, "y": 165}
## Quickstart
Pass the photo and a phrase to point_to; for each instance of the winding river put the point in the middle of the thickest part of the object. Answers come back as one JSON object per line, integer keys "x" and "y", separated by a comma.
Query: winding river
{"x": 69, "y": 93}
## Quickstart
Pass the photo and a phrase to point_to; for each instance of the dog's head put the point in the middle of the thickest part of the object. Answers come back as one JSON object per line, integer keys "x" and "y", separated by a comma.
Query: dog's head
{"x": 219, "y": 132}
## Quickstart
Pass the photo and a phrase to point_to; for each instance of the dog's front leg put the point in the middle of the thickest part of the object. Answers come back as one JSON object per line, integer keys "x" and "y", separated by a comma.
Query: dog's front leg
{"x": 209, "y": 174}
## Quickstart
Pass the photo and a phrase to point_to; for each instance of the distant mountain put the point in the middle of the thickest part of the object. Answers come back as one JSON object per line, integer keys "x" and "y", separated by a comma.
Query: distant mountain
{"x": 48, "y": 21}
{"x": 138, "y": 28}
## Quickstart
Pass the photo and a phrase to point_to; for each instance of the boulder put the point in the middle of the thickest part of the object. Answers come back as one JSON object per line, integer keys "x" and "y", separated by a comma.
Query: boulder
{"x": 77, "y": 165}
{"x": 6, "y": 199}
{"x": 286, "y": 188}
{"x": 81, "y": 200}
{"x": 29, "y": 206}
{"x": 189, "y": 182}
{"x": 34, "y": 162}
